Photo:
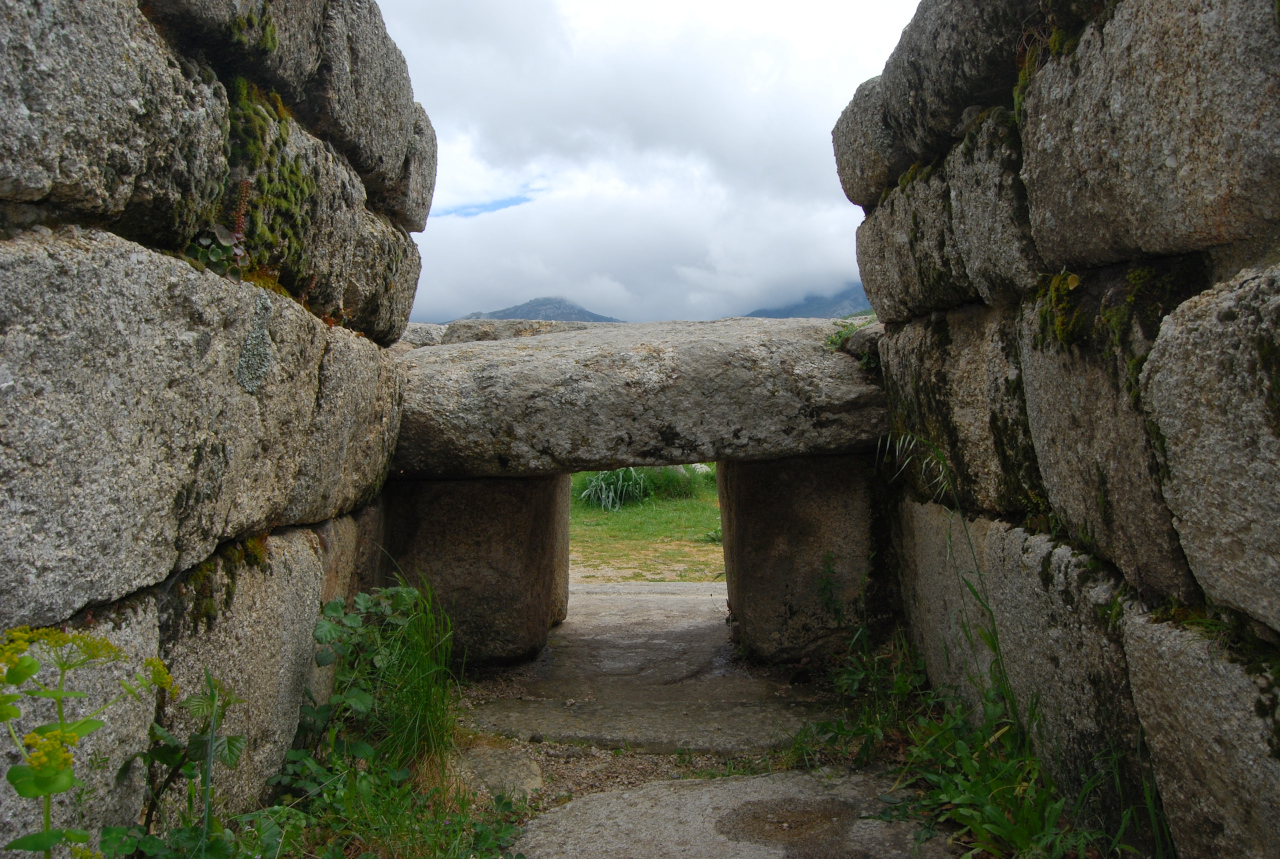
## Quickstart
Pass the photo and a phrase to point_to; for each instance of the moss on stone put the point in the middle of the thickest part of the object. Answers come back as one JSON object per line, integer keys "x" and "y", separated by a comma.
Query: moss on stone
{"x": 256, "y": 31}
{"x": 255, "y": 552}
{"x": 276, "y": 215}
{"x": 201, "y": 585}
{"x": 1064, "y": 318}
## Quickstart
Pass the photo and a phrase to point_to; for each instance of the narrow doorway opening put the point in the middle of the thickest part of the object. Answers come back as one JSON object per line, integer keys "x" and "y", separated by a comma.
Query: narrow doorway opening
{"x": 648, "y": 524}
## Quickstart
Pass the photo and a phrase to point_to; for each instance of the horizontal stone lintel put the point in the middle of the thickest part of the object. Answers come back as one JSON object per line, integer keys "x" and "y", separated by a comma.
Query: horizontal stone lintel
{"x": 661, "y": 393}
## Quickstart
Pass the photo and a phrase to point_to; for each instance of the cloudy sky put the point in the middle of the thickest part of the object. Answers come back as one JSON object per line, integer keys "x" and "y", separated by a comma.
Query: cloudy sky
{"x": 666, "y": 159}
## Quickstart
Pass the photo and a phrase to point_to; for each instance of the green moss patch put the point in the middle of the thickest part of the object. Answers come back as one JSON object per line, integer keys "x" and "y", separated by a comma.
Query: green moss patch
{"x": 274, "y": 215}
{"x": 1116, "y": 311}
{"x": 256, "y": 31}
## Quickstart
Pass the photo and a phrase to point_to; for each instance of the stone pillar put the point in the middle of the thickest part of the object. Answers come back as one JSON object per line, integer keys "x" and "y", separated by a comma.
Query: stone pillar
{"x": 797, "y": 545}
{"x": 495, "y": 551}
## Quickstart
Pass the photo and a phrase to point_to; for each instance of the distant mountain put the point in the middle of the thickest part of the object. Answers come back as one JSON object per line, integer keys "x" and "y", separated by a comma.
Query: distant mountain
{"x": 549, "y": 309}
{"x": 845, "y": 303}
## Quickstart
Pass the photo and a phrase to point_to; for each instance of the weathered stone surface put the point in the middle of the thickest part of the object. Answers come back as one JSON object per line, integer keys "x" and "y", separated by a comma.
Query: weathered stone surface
{"x": 869, "y": 158}
{"x": 955, "y": 379}
{"x": 990, "y": 224}
{"x": 1157, "y": 135}
{"x": 278, "y": 41}
{"x": 1212, "y": 387}
{"x": 133, "y": 627}
{"x": 352, "y": 433}
{"x": 907, "y": 253}
{"x": 509, "y": 772}
{"x": 864, "y": 343}
{"x": 649, "y": 666}
{"x": 419, "y": 334}
{"x": 496, "y": 553}
{"x": 100, "y": 120}
{"x": 408, "y": 200}
{"x": 955, "y": 54}
{"x": 251, "y": 627}
{"x": 306, "y": 220}
{"x": 476, "y": 330}
{"x": 657, "y": 394}
{"x": 1097, "y": 460}
{"x": 382, "y": 280}
{"x": 760, "y": 817}
{"x": 349, "y": 547}
{"x": 362, "y": 101}
{"x": 372, "y": 569}
{"x": 149, "y": 411}
{"x": 797, "y": 546}
{"x": 1056, "y": 619}
{"x": 1211, "y": 725}
{"x": 953, "y": 234}
{"x": 336, "y": 64}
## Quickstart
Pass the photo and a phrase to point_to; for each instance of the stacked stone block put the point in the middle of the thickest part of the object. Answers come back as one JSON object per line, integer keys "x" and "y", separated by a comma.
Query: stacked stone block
{"x": 192, "y": 461}
{"x": 1083, "y": 202}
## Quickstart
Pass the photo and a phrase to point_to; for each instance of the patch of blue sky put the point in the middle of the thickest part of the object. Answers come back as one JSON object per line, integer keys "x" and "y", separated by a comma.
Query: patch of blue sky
{"x": 472, "y": 209}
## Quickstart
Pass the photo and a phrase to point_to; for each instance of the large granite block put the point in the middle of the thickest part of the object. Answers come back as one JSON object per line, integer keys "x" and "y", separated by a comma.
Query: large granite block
{"x": 869, "y": 158}
{"x": 1058, "y": 619}
{"x": 1211, "y": 725}
{"x": 246, "y": 615}
{"x": 1157, "y": 134}
{"x": 797, "y": 551}
{"x": 149, "y": 411}
{"x": 954, "y": 55}
{"x": 1082, "y": 350}
{"x": 332, "y": 61}
{"x": 955, "y": 380}
{"x": 100, "y": 120}
{"x": 1212, "y": 387}
{"x": 496, "y": 553}
{"x": 653, "y": 394}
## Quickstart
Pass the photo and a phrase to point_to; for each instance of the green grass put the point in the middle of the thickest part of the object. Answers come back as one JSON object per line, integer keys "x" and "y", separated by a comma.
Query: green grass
{"x": 661, "y": 538}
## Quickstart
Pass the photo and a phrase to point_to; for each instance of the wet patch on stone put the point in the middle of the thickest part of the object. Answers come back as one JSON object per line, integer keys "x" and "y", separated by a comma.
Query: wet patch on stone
{"x": 807, "y": 829}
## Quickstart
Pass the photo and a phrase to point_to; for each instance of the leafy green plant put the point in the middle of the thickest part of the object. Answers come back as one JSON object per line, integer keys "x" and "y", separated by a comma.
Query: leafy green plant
{"x": 364, "y": 762}
{"x": 191, "y": 761}
{"x": 47, "y": 750}
{"x": 219, "y": 250}
{"x": 884, "y": 688}
{"x": 847, "y": 326}
{"x": 394, "y": 654}
{"x": 610, "y": 490}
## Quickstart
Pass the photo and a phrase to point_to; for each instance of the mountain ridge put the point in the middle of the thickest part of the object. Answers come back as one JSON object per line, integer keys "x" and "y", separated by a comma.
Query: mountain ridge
{"x": 850, "y": 301}
{"x": 547, "y": 310}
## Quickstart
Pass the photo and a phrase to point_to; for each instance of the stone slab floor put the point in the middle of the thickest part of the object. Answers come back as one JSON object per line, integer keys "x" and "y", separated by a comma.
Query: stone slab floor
{"x": 647, "y": 670}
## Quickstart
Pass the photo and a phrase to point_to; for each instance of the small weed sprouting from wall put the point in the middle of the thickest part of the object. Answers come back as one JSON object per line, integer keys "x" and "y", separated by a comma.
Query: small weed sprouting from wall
{"x": 845, "y": 329}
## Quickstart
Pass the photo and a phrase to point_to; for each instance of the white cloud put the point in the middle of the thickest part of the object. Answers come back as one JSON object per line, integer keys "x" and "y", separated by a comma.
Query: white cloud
{"x": 670, "y": 159}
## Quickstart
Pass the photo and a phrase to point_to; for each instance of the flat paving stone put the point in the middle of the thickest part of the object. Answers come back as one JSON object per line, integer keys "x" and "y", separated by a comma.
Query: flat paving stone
{"x": 505, "y": 771}
{"x": 789, "y": 815}
{"x": 649, "y": 666}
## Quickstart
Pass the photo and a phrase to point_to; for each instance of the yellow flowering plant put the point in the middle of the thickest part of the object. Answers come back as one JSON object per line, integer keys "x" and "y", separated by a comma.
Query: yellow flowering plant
{"x": 47, "y": 750}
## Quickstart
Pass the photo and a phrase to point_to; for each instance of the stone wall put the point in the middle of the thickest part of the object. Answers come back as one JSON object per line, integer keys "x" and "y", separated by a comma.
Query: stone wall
{"x": 1072, "y": 233}
{"x": 204, "y": 239}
